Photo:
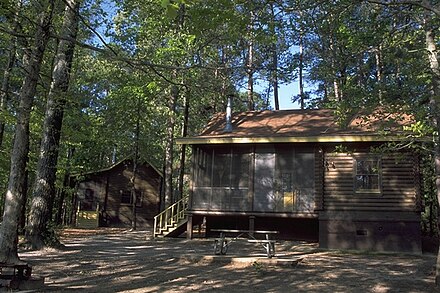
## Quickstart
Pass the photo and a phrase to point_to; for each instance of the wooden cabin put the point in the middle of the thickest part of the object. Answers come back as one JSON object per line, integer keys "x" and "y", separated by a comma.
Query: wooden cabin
{"x": 104, "y": 197}
{"x": 299, "y": 173}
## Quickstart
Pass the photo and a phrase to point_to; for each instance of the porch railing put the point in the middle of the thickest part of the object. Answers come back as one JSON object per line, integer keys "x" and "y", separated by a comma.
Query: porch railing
{"x": 170, "y": 217}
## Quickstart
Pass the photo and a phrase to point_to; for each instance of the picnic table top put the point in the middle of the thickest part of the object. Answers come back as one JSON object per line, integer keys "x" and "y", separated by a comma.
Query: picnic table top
{"x": 245, "y": 231}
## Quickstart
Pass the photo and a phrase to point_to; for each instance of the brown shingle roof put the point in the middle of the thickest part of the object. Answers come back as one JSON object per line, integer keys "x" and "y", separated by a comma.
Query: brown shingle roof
{"x": 305, "y": 124}
{"x": 273, "y": 123}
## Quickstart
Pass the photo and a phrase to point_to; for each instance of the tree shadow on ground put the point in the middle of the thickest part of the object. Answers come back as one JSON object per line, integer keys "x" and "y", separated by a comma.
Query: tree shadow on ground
{"x": 128, "y": 262}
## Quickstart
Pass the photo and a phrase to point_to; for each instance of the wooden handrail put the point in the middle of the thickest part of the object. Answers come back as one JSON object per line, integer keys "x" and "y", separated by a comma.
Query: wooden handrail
{"x": 170, "y": 216}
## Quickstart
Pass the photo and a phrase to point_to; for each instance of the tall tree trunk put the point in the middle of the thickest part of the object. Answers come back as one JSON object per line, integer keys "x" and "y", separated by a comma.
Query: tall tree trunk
{"x": 274, "y": 77}
{"x": 168, "y": 180}
{"x": 135, "y": 166}
{"x": 301, "y": 63}
{"x": 250, "y": 73}
{"x": 19, "y": 156}
{"x": 431, "y": 48}
{"x": 172, "y": 101}
{"x": 183, "y": 150}
{"x": 250, "y": 63}
{"x": 38, "y": 232}
{"x": 63, "y": 190}
{"x": 332, "y": 47}
{"x": 4, "y": 91}
{"x": 379, "y": 71}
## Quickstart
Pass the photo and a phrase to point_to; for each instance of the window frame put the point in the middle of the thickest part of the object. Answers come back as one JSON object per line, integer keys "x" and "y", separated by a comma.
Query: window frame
{"x": 138, "y": 196}
{"x": 378, "y": 161}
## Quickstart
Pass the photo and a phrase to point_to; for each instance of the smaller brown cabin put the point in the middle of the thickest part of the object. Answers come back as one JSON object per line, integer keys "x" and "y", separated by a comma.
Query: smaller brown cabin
{"x": 104, "y": 197}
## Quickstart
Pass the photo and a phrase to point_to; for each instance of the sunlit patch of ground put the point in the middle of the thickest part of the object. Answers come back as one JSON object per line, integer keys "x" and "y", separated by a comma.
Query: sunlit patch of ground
{"x": 117, "y": 260}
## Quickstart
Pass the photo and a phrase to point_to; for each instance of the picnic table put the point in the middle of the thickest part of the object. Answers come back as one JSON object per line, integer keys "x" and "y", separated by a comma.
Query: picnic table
{"x": 222, "y": 243}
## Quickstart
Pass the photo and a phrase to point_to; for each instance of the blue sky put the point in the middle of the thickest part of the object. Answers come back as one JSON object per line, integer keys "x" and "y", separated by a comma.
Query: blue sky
{"x": 286, "y": 92}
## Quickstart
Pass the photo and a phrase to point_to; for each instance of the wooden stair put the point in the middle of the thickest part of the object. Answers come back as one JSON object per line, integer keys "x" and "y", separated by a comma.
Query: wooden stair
{"x": 171, "y": 222}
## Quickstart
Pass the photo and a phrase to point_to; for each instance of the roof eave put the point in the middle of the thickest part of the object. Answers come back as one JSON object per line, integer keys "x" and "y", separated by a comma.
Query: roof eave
{"x": 287, "y": 139}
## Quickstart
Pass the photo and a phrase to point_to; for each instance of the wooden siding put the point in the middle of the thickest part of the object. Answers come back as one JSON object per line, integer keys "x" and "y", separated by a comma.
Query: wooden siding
{"x": 398, "y": 184}
{"x": 108, "y": 185}
{"x": 319, "y": 179}
{"x": 147, "y": 182}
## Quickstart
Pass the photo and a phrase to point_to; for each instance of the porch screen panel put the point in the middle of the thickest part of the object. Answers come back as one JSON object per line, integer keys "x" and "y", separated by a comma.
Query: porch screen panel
{"x": 284, "y": 193}
{"x": 222, "y": 169}
{"x": 222, "y": 179}
{"x": 202, "y": 191}
{"x": 240, "y": 165}
{"x": 264, "y": 179}
{"x": 304, "y": 183}
{"x": 203, "y": 168}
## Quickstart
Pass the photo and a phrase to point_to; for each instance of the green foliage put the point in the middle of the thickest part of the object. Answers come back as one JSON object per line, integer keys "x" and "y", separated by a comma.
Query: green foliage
{"x": 421, "y": 129}
{"x": 343, "y": 149}
{"x": 357, "y": 55}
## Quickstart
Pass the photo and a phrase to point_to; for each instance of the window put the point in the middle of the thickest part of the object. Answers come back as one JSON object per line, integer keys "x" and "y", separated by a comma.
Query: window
{"x": 126, "y": 197}
{"x": 367, "y": 178}
{"x": 88, "y": 203}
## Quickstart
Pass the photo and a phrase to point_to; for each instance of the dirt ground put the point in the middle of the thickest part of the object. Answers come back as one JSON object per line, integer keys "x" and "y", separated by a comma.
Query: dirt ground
{"x": 122, "y": 261}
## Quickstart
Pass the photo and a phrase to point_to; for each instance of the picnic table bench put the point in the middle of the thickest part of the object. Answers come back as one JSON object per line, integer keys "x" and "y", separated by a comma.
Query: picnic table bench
{"x": 221, "y": 244}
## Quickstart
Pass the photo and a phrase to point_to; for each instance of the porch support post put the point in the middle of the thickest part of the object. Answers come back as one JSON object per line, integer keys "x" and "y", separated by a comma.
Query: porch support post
{"x": 251, "y": 225}
{"x": 189, "y": 227}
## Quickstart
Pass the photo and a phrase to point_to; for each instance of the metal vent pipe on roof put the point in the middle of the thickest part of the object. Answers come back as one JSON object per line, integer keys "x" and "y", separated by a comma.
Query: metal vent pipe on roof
{"x": 228, "y": 127}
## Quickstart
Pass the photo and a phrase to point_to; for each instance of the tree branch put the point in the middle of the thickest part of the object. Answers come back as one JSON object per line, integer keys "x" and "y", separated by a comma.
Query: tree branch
{"x": 421, "y": 3}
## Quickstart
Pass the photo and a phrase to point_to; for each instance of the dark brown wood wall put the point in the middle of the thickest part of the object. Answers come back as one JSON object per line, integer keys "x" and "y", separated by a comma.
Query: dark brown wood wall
{"x": 399, "y": 186}
{"x": 147, "y": 182}
{"x": 107, "y": 186}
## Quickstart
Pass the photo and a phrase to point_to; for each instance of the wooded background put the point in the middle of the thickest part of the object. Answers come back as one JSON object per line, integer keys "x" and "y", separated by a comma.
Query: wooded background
{"x": 87, "y": 82}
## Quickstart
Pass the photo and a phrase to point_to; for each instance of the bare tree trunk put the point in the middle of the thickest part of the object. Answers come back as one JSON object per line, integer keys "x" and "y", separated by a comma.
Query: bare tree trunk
{"x": 168, "y": 188}
{"x": 434, "y": 104}
{"x": 19, "y": 157}
{"x": 38, "y": 233}
{"x": 275, "y": 79}
{"x": 250, "y": 63}
{"x": 4, "y": 92}
{"x": 63, "y": 191}
{"x": 334, "y": 65}
{"x": 135, "y": 166}
{"x": 172, "y": 101}
{"x": 379, "y": 71}
{"x": 274, "y": 52}
{"x": 301, "y": 64}
{"x": 183, "y": 150}
{"x": 250, "y": 72}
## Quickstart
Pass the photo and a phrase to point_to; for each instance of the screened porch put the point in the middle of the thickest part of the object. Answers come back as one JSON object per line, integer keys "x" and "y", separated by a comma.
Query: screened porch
{"x": 253, "y": 178}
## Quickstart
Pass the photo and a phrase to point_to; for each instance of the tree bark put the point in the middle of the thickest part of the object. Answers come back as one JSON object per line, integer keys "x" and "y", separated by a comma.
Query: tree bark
{"x": 379, "y": 71}
{"x": 431, "y": 48}
{"x": 250, "y": 63}
{"x": 4, "y": 92}
{"x": 301, "y": 63}
{"x": 274, "y": 52}
{"x": 38, "y": 232}
{"x": 168, "y": 180}
{"x": 135, "y": 166}
{"x": 19, "y": 156}
{"x": 172, "y": 101}
{"x": 183, "y": 150}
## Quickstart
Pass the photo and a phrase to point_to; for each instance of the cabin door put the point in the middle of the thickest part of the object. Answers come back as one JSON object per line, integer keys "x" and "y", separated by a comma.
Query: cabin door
{"x": 304, "y": 182}
{"x": 284, "y": 179}
{"x": 264, "y": 180}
